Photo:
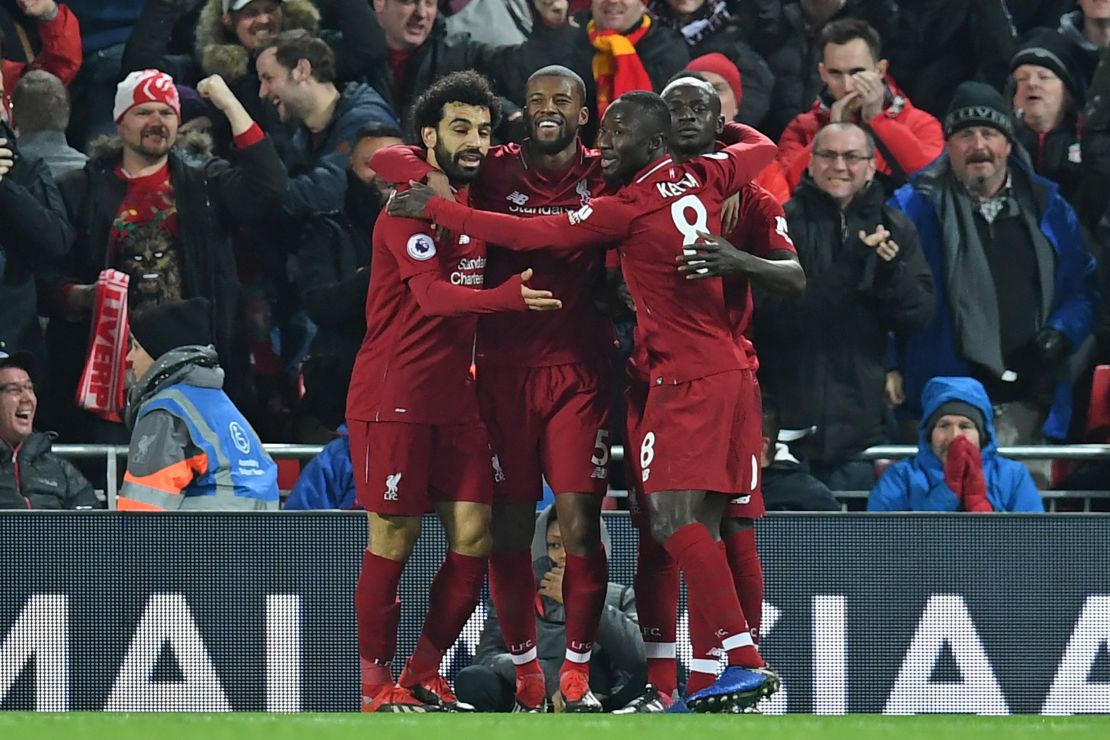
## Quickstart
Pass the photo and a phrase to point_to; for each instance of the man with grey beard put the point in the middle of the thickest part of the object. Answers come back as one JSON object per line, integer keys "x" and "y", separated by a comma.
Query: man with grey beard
{"x": 1015, "y": 283}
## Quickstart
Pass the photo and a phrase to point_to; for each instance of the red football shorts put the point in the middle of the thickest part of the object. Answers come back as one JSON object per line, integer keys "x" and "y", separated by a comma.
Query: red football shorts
{"x": 547, "y": 422}
{"x": 703, "y": 435}
{"x": 404, "y": 469}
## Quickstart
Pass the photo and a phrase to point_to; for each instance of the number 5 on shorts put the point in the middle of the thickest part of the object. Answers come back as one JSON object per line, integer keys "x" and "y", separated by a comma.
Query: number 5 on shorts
{"x": 601, "y": 444}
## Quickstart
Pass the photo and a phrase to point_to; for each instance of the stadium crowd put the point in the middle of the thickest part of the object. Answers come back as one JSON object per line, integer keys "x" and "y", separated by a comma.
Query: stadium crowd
{"x": 195, "y": 201}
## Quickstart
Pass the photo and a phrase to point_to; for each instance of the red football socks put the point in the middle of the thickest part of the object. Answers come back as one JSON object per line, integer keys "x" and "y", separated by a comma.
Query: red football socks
{"x": 377, "y": 612}
{"x": 747, "y": 575}
{"x": 657, "y": 586}
{"x": 585, "y": 583}
{"x": 712, "y": 595}
{"x": 512, "y": 586}
{"x": 455, "y": 592}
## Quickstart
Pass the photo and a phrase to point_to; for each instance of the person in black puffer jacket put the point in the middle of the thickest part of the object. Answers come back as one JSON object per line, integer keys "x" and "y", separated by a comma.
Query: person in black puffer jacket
{"x": 31, "y": 476}
{"x": 824, "y": 356}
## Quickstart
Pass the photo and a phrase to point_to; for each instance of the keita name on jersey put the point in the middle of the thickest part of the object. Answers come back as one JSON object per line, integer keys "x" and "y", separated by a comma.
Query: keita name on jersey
{"x": 674, "y": 189}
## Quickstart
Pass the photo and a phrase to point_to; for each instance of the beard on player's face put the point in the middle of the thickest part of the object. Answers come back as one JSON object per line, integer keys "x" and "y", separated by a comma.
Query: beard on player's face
{"x": 452, "y": 163}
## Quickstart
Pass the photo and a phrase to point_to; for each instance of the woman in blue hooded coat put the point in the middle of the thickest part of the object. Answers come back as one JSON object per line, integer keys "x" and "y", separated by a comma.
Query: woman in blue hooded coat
{"x": 956, "y": 467}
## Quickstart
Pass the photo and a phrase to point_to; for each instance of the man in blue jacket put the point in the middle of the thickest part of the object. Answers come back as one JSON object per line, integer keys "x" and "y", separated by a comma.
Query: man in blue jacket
{"x": 297, "y": 72}
{"x": 1015, "y": 285}
{"x": 956, "y": 467}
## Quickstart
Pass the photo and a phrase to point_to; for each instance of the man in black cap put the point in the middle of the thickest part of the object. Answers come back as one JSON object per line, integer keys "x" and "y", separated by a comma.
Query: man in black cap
{"x": 31, "y": 476}
{"x": 191, "y": 449}
{"x": 1048, "y": 98}
{"x": 1015, "y": 283}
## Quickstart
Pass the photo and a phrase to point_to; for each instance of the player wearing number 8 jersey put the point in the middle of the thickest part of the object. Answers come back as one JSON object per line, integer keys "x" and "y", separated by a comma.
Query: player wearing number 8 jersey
{"x": 768, "y": 259}
{"x": 692, "y": 408}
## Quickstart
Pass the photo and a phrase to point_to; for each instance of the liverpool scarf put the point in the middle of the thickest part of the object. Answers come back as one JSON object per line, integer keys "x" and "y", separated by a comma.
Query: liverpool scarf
{"x": 101, "y": 389}
{"x": 617, "y": 67}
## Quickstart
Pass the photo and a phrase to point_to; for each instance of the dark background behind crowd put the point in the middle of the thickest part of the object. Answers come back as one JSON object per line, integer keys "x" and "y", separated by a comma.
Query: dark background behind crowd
{"x": 286, "y": 272}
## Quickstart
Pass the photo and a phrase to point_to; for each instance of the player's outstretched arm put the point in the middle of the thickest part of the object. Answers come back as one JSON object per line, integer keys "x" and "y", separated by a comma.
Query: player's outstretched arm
{"x": 715, "y": 256}
{"x": 604, "y": 221}
{"x": 438, "y": 297}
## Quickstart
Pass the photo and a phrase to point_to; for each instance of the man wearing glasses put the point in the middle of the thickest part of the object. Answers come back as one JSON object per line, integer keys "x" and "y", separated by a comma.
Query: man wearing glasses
{"x": 31, "y": 476}
{"x": 824, "y": 355}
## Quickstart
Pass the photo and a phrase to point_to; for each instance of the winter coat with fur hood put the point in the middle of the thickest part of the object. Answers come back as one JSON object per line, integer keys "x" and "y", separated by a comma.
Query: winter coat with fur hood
{"x": 360, "y": 46}
{"x": 211, "y": 200}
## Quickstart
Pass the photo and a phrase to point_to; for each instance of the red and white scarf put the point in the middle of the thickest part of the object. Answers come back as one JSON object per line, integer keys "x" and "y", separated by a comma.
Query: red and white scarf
{"x": 101, "y": 389}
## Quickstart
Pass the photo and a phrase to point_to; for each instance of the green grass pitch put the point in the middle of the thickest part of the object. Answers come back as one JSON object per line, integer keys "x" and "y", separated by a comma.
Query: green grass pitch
{"x": 244, "y": 726}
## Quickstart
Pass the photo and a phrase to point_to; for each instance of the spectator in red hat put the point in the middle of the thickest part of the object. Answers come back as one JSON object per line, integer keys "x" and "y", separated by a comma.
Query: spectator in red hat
{"x": 163, "y": 222}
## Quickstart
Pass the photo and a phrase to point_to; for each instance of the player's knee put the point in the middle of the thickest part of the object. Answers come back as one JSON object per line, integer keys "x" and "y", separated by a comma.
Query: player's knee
{"x": 393, "y": 537}
{"x": 473, "y": 541}
{"x": 662, "y": 528}
{"x": 581, "y": 534}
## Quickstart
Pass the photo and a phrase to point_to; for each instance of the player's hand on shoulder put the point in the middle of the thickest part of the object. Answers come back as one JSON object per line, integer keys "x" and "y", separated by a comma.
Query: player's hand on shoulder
{"x": 438, "y": 182}
{"x": 411, "y": 203}
{"x": 537, "y": 300}
{"x": 711, "y": 256}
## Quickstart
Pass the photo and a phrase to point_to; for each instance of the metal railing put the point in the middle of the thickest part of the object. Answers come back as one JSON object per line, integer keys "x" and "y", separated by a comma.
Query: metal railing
{"x": 1077, "y": 453}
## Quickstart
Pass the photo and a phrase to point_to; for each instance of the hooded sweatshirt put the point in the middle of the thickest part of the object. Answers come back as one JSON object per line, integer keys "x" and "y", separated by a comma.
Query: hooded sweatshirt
{"x": 917, "y": 483}
{"x": 618, "y": 658}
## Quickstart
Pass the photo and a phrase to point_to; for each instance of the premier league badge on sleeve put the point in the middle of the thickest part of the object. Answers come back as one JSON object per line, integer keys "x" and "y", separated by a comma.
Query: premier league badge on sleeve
{"x": 421, "y": 247}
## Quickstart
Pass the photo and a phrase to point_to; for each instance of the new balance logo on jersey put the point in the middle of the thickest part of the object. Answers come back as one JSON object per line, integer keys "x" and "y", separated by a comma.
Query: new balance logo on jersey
{"x": 498, "y": 473}
{"x": 580, "y": 215}
{"x": 517, "y": 198}
{"x": 391, "y": 483}
{"x": 741, "y": 500}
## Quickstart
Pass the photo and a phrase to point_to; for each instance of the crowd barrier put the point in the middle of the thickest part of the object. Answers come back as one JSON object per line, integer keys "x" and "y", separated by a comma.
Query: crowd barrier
{"x": 113, "y": 454}
{"x": 863, "y": 613}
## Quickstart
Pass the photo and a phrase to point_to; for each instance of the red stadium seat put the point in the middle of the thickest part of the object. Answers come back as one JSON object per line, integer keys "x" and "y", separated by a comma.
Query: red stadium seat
{"x": 289, "y": 469}
{"x": 1098, "y": 413}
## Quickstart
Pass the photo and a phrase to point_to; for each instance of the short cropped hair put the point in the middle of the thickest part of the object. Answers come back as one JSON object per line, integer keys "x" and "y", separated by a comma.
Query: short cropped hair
{"x": 466, "y": 87}
{"x": 845, "y": 125}
{"x": 40, "y": 103}
{"x": 293, "y": 46}
{"x": 849, "y": 29}
{"x": 654, "y": 109}
{"x": 558, "y": 70}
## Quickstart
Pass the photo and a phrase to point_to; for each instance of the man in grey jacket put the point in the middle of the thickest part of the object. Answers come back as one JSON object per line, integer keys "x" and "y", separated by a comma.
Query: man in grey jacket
{"x": 619, "y": 665}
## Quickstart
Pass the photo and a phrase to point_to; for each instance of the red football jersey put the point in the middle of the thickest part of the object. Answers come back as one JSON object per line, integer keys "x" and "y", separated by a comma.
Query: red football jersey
{"x": 684, "y": 324}
{"x": 760, "y": 229}
{"x": 506, "y": 184}
{"x": 415, "y": 361}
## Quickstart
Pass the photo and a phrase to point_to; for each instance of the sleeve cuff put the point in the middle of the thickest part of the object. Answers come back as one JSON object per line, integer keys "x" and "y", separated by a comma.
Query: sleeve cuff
{"x": 250, "y": 137}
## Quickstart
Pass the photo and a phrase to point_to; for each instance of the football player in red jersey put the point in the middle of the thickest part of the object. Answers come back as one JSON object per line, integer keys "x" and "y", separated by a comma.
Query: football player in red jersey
{"x": 693, "y": 416}
{"x": 413, "y": 401}
{"x": 543, "y": 383}
{"x": 769, "y": 260}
